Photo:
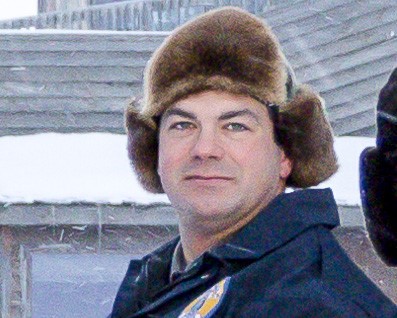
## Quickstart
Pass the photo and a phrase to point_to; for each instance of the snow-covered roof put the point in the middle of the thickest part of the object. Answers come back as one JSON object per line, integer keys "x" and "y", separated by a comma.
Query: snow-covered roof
{"x": 94, "y": 167}
{"x": 65, "y": 168}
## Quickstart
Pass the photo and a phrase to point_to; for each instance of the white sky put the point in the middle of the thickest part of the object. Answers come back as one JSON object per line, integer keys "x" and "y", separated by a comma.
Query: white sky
{"x": 10, "y": 9}
{"x": 94, "y": 167}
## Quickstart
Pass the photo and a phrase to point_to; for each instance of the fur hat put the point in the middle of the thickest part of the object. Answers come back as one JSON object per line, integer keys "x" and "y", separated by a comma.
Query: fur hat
{"x": 230, "y": 50}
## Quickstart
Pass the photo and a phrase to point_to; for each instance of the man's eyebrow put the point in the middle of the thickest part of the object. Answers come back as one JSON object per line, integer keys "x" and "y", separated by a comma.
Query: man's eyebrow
{"x": 224, "y": 116}
{"x": 236, "y": 113}
{"x": 178, "y": 112}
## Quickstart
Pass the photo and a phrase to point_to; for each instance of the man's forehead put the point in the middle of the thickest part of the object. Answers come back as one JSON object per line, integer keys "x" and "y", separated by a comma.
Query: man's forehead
{"x": 217, "y": 107}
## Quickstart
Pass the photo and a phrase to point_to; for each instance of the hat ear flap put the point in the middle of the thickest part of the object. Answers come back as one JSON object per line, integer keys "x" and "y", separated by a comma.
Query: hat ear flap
{"x": 306, "y": 136}
{"x": 142, "y": 148}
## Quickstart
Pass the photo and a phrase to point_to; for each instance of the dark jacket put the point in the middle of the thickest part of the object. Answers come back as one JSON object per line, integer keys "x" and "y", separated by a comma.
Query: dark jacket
{"x": 284, "y": 263}
{"x": 378, "y": 184}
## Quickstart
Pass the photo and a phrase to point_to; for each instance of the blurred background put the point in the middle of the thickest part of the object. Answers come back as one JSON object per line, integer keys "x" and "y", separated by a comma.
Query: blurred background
{"x": 72, "y": 213}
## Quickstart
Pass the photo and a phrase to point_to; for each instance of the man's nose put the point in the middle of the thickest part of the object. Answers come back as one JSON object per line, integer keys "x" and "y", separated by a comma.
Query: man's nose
{"x": 207, "y": 145}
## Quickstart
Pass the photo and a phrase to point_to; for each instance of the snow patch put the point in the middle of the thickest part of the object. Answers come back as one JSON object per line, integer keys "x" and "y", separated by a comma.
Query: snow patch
{"x": 345, "y": 183}
{"x": 94, "y": 167}
{"x": 66, "y": 168}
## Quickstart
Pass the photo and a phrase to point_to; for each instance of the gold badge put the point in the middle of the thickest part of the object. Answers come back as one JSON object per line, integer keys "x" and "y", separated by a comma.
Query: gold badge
{"x": 208, "y": 302}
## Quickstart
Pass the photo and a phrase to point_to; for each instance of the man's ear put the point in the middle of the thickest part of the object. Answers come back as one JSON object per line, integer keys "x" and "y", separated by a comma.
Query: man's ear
{"x": 286, "y": 166}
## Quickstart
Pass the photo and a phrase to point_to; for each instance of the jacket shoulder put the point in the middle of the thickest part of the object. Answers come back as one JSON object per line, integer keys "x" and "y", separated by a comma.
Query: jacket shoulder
{"x": 125, "y": 298}
{"x": 346, "y": 278}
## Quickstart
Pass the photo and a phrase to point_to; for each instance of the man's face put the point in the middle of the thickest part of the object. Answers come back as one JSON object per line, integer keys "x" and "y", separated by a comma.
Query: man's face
{"x": 218, "y": 160}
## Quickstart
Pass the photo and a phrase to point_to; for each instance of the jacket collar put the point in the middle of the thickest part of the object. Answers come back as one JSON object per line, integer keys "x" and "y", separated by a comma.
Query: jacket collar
{"x": 283, "y": 219}
{"x": 288, "y": 215}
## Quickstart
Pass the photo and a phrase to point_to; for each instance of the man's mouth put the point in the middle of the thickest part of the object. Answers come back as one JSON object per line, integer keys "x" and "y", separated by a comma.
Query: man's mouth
{"x": 199, "y": 177}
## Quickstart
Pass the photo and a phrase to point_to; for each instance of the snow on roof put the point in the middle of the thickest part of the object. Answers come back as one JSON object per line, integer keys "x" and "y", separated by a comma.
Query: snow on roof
{"x": 65, "y": 168}
{"x": 345, "y": 183}
{"x": 94, "y": 167}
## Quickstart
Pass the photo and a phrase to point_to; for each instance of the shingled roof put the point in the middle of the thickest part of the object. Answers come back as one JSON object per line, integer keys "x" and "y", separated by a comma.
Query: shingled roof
{"x": 80, "y": 81}
{"x": 346, "y": 50}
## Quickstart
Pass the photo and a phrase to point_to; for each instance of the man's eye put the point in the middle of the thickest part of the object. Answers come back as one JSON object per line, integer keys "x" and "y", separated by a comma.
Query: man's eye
{"x": 181, "y": 125}
{"x": 236, "y": 127}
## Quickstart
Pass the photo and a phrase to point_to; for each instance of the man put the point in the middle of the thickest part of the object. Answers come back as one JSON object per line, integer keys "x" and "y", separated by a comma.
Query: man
{"x": 378, "y": 167}
{"x": 211, "y": 136}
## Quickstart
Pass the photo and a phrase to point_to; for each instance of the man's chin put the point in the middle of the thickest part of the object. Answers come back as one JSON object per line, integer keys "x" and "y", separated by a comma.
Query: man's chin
{"x": 206, "y": 210}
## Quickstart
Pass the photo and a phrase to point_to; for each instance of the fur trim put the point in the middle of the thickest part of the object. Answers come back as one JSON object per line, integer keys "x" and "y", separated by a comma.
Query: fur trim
{"x": 142, "y": 148}
{"x": 306, "y": 136}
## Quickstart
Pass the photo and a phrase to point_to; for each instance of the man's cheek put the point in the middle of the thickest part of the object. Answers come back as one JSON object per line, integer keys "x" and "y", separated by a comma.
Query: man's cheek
{"x": 167, "y": 169}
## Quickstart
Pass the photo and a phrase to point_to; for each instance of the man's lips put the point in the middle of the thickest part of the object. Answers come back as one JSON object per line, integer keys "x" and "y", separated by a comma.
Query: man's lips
{"x": 198, "y": 177}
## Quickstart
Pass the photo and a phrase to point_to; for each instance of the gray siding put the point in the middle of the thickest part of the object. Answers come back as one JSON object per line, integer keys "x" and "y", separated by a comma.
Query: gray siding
{"x": 69, "y": 82}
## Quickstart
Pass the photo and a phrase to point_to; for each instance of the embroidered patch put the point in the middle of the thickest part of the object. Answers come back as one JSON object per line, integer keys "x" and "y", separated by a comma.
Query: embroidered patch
{"x": 208, "y": 302}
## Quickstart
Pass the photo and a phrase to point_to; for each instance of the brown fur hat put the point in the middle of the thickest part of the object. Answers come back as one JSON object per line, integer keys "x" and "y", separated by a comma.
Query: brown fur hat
{"x": 231, "y": 50}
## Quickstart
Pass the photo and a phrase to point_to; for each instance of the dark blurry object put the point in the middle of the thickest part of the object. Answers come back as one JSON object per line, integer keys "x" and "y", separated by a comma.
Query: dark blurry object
{"x": 378, "y": 177}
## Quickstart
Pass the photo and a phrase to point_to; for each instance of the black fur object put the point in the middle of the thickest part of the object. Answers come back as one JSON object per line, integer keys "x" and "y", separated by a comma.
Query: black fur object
{"x": 378, "y": 177}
